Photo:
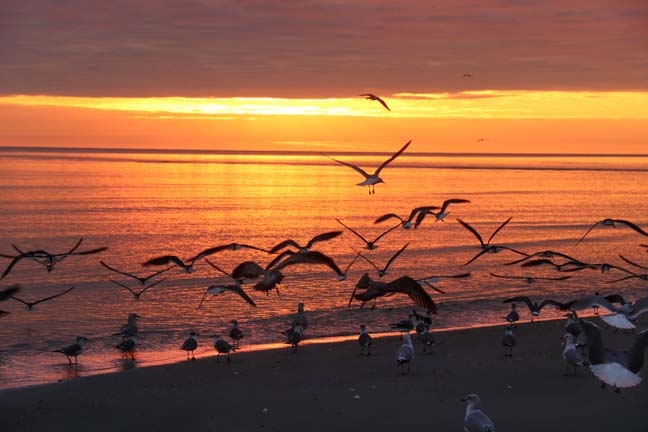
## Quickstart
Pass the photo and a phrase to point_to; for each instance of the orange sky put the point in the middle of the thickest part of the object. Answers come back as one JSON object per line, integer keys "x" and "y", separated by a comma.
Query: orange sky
{"x": 527, "y": 123}
{"x": 460, "y": 75}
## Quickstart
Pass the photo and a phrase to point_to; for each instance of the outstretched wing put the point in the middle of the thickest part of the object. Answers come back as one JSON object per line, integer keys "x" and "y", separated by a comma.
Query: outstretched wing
{"x": 499, "y": 228}
{"x": 394, "y": 156}
{"x": 473, "y": 231}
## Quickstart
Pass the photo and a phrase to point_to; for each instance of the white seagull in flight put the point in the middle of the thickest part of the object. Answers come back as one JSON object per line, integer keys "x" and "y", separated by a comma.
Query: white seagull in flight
{"x": 372, "y": 179}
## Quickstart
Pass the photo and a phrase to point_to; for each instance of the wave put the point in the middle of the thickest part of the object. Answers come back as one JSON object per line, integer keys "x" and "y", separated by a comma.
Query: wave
{"x": 621, "y": 162}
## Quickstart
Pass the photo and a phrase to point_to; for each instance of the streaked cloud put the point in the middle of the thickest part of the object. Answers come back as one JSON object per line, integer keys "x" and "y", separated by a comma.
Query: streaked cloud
{"x": 319, "y": 49}
{"x": 511, "y": 104}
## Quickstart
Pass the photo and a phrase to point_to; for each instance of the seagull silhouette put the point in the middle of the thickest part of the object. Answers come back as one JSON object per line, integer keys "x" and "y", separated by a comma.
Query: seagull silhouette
{"x": 137, "y": 294}
{"x": 372, "y": 179}
{"x": 534, "y": 307}
{"x": 371, "y": 96}
{"x": 318, "y": 238}
{"x": 406, "y": 223}
{"x": 474, "y": 232}
{"x": 142, "y": 279}
{"x": 31, "y": 304}
{"x": 441, "y": 214}
{"x": 613, "y": 223}
{"x": 47, "y": 259}
{"x": 382, "y": 271}
{"x": 369, "y": 245}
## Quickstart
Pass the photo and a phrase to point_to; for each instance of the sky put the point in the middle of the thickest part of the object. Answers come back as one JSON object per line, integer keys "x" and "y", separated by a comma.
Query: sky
{"x": 458, "y": 75}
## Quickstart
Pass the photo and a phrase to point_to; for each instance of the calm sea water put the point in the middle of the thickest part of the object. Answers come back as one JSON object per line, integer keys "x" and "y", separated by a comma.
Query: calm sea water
{"x": 144, "y": 204}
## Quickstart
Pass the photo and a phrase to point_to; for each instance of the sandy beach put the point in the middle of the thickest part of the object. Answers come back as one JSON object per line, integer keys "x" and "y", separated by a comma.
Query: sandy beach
{"x": 332, "y": 387}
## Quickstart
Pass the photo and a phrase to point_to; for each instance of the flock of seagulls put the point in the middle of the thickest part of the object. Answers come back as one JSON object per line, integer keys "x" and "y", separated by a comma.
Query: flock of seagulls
{"x": 583, "y": 340}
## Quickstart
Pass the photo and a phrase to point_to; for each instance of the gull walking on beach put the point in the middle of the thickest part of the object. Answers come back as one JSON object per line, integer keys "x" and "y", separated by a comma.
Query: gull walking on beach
{"x": 405, "y": 353}
{"x": 508, "y": 342}
{"x": 475, "y": 419}
{"x": 74, "y": 350}
{"x": 372, "y": 179}
{"x": 364, "y": 340}
{"x": 190, "y": 344}
{"x": 294, "y": 336}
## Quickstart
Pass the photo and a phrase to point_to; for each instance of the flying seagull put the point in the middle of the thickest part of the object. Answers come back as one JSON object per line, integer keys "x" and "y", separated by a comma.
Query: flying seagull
{"x": 371, "y": 96}
{"x": 369, "y": 245}
{"x": 534, "y": 307}
{"x": 441, "y": 214}
{"x": 142, "y": 279}
{"x": 318, "y": 238}
{"x": 382, "y": 271}
{"x": 613, "y": 223}
{"x": 406, "y": 223}
{"x": 136, "y": 294}
{"x": 31, "y": 304}
{"x": 372, "y": 179}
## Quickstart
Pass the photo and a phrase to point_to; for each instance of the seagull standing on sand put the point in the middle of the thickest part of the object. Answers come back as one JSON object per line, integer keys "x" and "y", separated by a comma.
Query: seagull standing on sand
{"x": 405, "y": 353}
{"x": 372, "y": 96}
{"x": 513, "y": 316}
{"x": 74, "y": 350}
{"x": 508, "y": 342}
{"x": 190, "y": 344}
{"x": 364, "y": 340}
{"x": 130, "y": 328}
{"x": 127, "y": 347}
{"x": 235, "y": 334}
{"x": 222, "y": 347}
{"x": 372, "y": 179}
{"x": 475, "y": 419}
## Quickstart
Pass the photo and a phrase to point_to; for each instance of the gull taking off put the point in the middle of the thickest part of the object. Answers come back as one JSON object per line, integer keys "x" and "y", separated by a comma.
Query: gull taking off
{"x": 372, "y": 179}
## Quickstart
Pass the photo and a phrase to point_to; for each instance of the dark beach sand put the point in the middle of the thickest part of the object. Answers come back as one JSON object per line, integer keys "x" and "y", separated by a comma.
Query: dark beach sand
{"x": 330, "y": 387}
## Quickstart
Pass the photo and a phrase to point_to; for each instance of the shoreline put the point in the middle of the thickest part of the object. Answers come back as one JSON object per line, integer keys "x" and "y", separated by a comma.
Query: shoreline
{"x": 329, "y": 386}
{"x": 89, "y": 363}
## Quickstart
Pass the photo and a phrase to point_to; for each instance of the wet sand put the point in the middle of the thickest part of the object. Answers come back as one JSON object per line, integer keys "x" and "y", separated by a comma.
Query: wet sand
{"x": 331, "y": 387}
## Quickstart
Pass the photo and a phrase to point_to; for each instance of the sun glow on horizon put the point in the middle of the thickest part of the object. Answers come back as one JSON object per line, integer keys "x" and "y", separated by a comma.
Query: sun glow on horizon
{"x": 512, "y": 104}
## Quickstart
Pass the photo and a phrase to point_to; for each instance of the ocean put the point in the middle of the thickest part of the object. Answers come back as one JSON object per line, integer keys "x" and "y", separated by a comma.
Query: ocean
{"x": 142, "y": 204}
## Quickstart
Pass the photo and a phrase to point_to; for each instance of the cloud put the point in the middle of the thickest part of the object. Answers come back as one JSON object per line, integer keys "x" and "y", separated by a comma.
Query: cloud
{"x": 318, "y": 49}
